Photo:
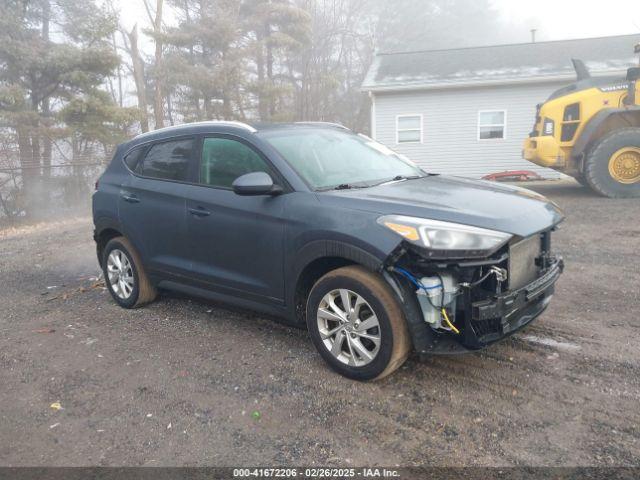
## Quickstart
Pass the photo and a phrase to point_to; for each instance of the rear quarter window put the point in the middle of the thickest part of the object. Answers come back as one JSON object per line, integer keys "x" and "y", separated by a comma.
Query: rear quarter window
{"x": 168, "y": 160}
{"x": 132, "y": 158}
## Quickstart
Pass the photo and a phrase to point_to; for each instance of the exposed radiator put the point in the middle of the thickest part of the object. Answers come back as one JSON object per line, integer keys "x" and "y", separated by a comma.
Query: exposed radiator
{"x": 522, "y": 262}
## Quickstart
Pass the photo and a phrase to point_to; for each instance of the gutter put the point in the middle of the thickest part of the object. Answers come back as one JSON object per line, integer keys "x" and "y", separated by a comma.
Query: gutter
{"x": 482, "y": 83}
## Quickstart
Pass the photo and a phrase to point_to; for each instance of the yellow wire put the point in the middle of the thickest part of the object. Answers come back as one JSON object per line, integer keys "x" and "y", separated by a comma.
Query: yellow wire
{"x": 448, "y": 322}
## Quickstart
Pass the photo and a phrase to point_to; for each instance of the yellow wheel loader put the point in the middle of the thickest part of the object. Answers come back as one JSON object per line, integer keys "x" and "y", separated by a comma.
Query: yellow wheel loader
{"x": 591, "y": 131}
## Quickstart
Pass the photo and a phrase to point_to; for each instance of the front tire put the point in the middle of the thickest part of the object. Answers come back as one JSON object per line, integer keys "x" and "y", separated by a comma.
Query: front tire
{"x": 124, "y": 274}
{"x": 612, "y": 167}
{"x": 357, "y": 324}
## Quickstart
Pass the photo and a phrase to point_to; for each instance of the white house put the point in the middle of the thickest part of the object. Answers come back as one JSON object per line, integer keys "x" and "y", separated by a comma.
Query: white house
{"x": 467, "y": 111}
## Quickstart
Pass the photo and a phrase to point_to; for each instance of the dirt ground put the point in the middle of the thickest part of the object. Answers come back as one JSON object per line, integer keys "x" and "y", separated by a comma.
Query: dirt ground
{"x": 186, "y": 382}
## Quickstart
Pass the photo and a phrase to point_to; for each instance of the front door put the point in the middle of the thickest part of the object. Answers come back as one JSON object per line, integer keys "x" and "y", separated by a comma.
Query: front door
{"x": 237, "y": 242}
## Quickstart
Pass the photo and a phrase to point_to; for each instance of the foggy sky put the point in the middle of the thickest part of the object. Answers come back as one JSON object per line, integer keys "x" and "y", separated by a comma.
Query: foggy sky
{"x": 553, "y": 19}
{"x": 563, "y": 19}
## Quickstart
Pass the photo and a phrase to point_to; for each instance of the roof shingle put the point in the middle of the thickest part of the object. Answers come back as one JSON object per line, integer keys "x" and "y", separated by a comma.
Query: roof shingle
{"x": 500, "y": 63}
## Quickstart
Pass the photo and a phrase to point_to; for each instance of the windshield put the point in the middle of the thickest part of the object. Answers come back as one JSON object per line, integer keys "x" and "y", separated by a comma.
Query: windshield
{"x": 329, "y": 159}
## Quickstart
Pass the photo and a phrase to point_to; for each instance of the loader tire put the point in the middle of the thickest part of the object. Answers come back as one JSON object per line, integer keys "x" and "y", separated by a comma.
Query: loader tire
{"x": 612, "y": 167}
{"x": 582, "y": 181}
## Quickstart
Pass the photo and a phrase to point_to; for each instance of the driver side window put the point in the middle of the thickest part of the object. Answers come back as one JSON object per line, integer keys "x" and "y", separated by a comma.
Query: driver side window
{"x": 224, "y": 160}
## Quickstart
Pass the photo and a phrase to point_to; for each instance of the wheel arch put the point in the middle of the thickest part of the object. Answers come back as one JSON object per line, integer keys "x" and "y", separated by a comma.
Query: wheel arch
{"x": 314, "y": 261}
{"x": 602, "y": 123}
{"x": 105, "y": 229}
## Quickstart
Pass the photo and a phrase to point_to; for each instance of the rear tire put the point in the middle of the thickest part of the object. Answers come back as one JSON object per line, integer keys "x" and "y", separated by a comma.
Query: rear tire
{"x": 371, "y": 340}
{"x": 612, "y": 167}
{"x": 124, "y": 274}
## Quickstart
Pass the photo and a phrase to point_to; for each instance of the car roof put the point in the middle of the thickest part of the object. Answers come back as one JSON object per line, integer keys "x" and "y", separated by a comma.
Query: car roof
{"x": 226, "y": 126}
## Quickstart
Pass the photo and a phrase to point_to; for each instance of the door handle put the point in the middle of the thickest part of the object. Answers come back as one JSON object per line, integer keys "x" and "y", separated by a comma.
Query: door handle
{"x": 129, "y": 197}
{"x": 199, "y": 212}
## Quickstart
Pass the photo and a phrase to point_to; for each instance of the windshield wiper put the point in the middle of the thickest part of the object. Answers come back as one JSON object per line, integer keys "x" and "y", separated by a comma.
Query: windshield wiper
{"x": 399, "y": 178}
{"x": 342, "y": 186}
{"x": 406, "y": 177}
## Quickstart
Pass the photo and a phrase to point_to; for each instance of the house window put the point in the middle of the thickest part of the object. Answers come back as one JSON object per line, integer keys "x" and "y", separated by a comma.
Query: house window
{"x": 409, "y": 129}
{"x": 492, "y": 124}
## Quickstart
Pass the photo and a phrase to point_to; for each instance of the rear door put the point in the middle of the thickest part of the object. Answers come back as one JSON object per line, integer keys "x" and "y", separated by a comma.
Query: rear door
{"x": 236, "y": 242}
{"x": 152, "y": 203}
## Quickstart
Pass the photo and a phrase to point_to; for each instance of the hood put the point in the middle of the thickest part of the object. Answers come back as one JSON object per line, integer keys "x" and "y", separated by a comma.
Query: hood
{"x": 452, "y": 199}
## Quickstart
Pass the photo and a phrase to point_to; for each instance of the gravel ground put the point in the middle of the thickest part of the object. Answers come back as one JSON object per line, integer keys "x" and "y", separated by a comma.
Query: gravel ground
{"x": 185, "y": 382}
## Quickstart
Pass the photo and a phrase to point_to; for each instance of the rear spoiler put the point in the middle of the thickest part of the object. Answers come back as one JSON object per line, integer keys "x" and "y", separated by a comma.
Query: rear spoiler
{"x": 582, "y": 73}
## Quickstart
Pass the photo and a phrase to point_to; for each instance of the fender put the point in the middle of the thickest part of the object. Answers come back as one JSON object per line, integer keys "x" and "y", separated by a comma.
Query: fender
{"x": 103, "y": 223}
{"x": 584, "y": 141}
{"x": 100, "y": 225}
{"x": 106, "y": 222}
{"x": 332, "y": 248}
{"x": 320, "y": 249}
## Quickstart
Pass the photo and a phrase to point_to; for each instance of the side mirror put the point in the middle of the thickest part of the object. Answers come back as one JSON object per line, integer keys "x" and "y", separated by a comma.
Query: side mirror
{"x": 256, "y": 183}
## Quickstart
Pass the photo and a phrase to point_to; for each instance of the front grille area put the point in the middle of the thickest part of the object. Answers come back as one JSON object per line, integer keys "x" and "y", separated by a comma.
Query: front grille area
{"x": 522, "y": 262}
{"x": 487, "y": 327}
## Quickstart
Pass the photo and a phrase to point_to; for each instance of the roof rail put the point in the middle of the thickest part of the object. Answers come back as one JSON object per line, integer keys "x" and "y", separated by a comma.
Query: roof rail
{"x": 327, "y": 124}
{"x": 230, "y": 123}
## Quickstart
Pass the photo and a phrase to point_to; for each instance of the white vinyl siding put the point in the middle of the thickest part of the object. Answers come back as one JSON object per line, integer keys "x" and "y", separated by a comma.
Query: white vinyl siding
{"x": 492, "y": 125}
{"x": 450, "y": 138}
{"x": 409, "y": 129}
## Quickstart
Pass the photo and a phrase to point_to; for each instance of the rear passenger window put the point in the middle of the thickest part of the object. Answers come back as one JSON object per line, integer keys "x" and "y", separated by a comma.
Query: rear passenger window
{"x": 133, "y": 157}
{"x": 224, "y": 160}
{"x": 167, "y": 160}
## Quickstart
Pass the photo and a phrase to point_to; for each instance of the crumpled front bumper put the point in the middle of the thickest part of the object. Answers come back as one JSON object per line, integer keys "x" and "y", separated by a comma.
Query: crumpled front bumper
{"x": 498, "y": 317}
{"x": 486, "y": 321}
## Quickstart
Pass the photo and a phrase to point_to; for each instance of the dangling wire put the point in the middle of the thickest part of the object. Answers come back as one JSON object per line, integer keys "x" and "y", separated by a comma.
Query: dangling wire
{"x": 448, "y": 322}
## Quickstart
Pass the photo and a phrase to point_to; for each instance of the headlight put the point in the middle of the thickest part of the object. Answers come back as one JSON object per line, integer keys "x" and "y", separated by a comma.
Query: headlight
{"x": 444, "y": 238}
{"x": 548, "y": 127}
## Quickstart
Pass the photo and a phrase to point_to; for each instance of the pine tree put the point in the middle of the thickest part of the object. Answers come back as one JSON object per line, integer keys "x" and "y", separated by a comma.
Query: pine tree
{"x": 275, "y": 29}
{"x": 38, "y": 71}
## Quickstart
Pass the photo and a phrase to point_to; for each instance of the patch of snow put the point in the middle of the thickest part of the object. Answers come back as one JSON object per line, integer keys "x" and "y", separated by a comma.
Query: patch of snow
{"x": 550, "y": 342}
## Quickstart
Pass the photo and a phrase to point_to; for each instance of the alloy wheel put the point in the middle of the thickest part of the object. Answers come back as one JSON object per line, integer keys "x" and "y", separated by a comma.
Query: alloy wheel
{"x": 120, "y": 274}
{"x": 349, "y": 328}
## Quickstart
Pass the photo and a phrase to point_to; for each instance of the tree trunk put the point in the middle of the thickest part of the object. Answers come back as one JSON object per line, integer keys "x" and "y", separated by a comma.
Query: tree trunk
{"x": 118, "y": 71}
{"x": 35, "y": 135}
{"x": 227, "y": 114}
{"x": 138, "y": 76}
{"x": 26, "y": 159}
{"x": 47, "y": 151}
{"x": 158, "y": 104}
{"x": 169, "y": 110}
{"x": 269, "y": 48}
{"x": 263, "y": 109}
{"x": 47, "y": 147}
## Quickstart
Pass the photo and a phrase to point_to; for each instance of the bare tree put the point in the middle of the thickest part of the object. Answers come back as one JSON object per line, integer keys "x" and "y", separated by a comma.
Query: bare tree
{"x": 158, "y": 99}
{"x": 138, "y": 76}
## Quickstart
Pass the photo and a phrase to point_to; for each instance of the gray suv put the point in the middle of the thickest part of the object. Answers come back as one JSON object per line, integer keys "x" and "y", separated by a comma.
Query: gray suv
{"x": 326, "y": 229}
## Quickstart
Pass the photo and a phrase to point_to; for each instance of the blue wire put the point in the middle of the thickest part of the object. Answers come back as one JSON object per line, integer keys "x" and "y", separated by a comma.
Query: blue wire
{"x": 414, "y": 280}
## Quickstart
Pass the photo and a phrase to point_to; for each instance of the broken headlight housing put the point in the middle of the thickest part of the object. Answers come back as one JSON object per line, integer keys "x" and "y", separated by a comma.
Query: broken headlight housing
{"x": 446, "y": 239}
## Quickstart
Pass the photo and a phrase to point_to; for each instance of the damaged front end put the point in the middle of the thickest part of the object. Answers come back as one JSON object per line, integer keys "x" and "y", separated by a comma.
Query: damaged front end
{"x": 455, "y": 304}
